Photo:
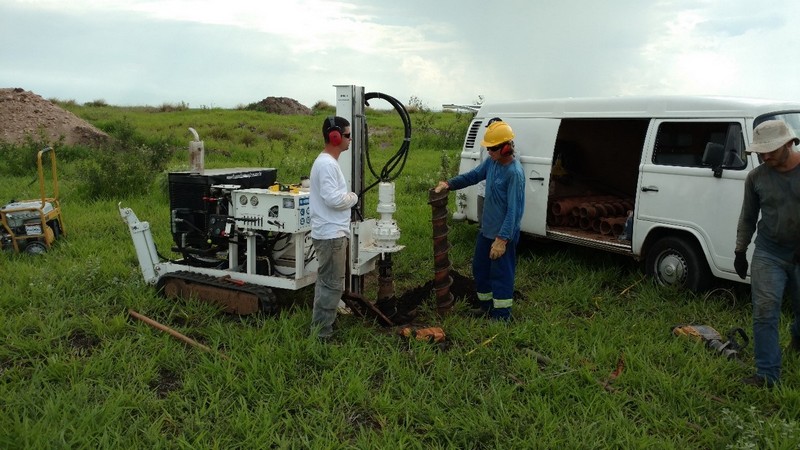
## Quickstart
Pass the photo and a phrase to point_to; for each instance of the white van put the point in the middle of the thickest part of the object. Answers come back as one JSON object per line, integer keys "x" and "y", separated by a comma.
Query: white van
{"x": 676, "y": 165}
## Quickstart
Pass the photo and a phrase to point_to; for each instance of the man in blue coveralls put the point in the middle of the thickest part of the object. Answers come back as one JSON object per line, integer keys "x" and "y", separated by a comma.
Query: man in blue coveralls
{"x": 494, "y": 262}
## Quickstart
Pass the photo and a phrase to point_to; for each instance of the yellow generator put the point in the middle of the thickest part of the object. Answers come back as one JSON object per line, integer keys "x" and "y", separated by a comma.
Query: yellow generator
{"x": 31, "y": 226}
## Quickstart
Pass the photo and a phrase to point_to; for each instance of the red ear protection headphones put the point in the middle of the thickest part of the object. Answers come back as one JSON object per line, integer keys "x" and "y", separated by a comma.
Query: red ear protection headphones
{"x": 504, "y": 149}
{"x": 334, "y": 132}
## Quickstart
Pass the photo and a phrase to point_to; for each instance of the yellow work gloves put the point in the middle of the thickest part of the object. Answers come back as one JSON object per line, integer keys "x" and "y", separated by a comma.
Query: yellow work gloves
{"x": 498, "y": 248}
{"x": 442, "y": 186}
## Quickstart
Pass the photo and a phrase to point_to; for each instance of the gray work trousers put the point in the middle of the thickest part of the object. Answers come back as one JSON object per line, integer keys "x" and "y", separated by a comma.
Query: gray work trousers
{"x": 332, "y": 258}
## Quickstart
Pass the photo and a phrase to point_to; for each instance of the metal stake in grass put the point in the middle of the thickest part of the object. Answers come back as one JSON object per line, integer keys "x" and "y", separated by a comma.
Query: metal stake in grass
{"x": 174, "y": 333}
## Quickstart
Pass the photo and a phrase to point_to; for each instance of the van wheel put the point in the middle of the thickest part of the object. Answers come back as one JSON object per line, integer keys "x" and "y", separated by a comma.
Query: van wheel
{"x": 674, "y": 261}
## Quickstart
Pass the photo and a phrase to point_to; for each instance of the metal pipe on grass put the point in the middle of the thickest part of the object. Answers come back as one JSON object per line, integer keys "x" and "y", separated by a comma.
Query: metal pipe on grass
{"x": 173, "y": 333}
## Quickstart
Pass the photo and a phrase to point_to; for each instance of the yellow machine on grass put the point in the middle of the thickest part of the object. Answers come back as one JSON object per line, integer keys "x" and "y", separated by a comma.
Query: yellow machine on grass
{"x": 31, "y": 226}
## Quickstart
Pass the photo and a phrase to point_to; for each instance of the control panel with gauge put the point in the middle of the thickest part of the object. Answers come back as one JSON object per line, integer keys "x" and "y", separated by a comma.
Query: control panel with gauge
{"x": 282, "y": 211}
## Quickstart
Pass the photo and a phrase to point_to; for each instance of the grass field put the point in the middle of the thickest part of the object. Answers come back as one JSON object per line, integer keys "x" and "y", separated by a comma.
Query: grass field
{"x": 588, "y": 362}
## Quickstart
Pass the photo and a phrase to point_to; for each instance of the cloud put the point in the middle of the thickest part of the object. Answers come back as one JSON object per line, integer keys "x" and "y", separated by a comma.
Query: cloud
{"x": 292, "y": 45}
{"x": 208, "y": 52}
{"x": 711, "y": 48}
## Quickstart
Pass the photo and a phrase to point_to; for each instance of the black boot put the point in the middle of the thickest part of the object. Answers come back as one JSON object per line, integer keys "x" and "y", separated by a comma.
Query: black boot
{"x": 794, "y": 344}
{"x": 759, "y": 381}
{"x": 482, "y": 311}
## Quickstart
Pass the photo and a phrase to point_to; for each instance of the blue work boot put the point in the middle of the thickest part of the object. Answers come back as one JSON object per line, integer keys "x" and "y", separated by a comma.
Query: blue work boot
{"x": 503, "y": 314}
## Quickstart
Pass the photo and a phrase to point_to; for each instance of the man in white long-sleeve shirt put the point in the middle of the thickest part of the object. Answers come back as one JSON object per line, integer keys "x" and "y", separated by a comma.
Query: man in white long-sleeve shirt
{"x": 330, "y": 202}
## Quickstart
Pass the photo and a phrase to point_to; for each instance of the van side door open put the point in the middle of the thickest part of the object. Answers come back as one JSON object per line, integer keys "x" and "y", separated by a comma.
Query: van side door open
{"x": 535, "y": 139}
{"x": 593, "y": 180}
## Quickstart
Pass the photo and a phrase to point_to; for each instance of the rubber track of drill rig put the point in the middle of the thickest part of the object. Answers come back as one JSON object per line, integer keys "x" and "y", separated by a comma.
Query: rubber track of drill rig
{"x": 234, "y": 296}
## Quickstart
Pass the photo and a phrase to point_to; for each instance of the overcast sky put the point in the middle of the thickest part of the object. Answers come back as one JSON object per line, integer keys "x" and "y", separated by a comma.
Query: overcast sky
{"x": 217, "y": 53}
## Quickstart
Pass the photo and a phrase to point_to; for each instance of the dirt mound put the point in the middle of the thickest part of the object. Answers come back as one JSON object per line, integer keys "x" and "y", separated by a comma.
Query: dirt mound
{"x": 281, "y": 105}
{"x": 23, "y": 113}
{"x": 403, "y": 309}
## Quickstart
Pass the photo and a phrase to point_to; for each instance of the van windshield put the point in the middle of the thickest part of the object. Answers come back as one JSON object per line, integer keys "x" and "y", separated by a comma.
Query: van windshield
{"x": 792, "y": 119}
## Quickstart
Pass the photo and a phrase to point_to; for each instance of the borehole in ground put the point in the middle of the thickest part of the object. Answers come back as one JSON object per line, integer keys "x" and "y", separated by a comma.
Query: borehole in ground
{"x": 82, "y": 343}
{"x": 404, "y": 308}
{"x": 166, "y": 382}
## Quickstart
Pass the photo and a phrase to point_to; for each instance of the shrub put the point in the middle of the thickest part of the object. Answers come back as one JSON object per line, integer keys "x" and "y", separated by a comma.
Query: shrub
{"x": 113, "y": 174}
{"x": 126, "y": 167}
{"x": 415, "y": 104}
{"x": 220, "y": 133}
{"x": 277, "y": 134}
{"x": 439, "y": 131}
{"x": 323, "y": 106}
{"x": 172, "y": 107}
{"x": 21, "y": 158}
{"x": 63, "y": 103}
{"x": 96, "y": 103}
{"x": 73, "y": 153}
{"x": 123, "y": 130}
{"x": 248, "y": 140}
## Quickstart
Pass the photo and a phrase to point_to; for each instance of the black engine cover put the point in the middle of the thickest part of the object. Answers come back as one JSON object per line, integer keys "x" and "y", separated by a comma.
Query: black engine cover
{"x": 189, "y": 200}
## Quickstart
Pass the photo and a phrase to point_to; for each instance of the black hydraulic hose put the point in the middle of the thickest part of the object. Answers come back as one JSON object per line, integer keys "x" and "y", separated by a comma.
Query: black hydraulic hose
{"x": 395, "y": 165}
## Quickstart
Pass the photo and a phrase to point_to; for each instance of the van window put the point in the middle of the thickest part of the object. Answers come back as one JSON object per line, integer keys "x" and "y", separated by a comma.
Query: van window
{"x": 700, "y": 144}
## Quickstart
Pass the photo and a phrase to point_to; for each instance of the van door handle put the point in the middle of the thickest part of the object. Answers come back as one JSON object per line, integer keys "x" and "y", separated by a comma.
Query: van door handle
{"x": 537, "y": 179}
{"x": 649, "y": 188}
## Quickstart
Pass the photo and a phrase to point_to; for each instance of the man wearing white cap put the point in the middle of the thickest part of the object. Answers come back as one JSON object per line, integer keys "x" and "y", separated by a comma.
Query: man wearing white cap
{"x": 773, "y": 190}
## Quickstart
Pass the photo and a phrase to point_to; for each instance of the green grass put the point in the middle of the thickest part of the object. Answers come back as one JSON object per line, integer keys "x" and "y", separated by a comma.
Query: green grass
{"x": 76, "y": 371}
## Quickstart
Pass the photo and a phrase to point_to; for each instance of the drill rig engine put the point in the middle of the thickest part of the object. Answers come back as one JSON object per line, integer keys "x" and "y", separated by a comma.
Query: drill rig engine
{"x": 241, "y": 234}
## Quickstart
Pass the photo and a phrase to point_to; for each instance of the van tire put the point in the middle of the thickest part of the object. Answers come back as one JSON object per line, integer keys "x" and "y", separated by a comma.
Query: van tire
{"x": 674, "y": 261}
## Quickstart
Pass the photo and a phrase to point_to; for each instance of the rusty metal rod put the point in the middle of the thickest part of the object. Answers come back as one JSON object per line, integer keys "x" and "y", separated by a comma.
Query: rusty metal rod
{"x": 174, "y": 333}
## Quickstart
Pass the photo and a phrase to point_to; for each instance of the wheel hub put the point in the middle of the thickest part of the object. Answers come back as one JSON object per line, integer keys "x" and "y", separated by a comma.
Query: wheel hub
{"x": 671, "y": 269}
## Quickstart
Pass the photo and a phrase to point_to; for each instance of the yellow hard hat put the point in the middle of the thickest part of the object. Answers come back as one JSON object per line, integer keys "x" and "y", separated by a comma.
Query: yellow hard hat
{"x": 497, "y": 133}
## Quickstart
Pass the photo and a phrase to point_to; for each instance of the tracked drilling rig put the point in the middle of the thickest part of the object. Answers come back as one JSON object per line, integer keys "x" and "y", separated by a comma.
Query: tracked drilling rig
{"x": 243, "y": 236}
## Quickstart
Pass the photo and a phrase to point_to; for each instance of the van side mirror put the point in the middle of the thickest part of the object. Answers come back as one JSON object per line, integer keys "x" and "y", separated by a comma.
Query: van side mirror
{"x": 712, "y": 156}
